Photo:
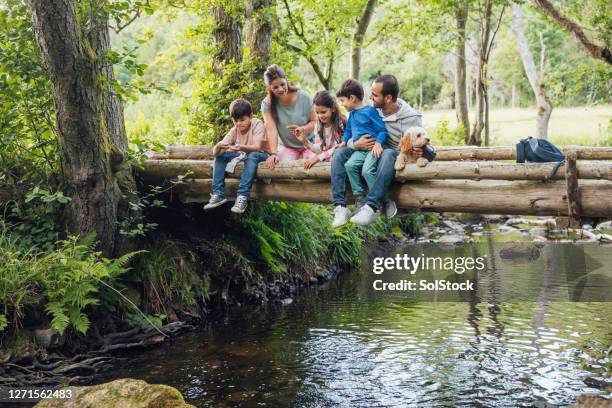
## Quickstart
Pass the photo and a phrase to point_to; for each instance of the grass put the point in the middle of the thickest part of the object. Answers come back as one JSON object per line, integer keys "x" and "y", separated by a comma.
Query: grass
{"x": 568, "y": 126}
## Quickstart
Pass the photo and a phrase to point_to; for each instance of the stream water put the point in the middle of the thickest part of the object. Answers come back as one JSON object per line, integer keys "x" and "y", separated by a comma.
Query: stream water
{"x": 537, "y": 328}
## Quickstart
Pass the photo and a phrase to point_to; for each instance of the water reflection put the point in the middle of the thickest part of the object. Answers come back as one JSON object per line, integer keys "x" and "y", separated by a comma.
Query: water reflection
{"x": 343, "y": 345}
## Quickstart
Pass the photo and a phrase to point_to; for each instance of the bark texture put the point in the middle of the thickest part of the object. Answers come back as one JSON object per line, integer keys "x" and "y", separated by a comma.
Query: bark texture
{"x": 227, "y": 34}
{"x": 480, "y": 197}
{"x": 91, "y": 140}
{"x": 443, "y": 153}
{"x": 361, "y": 27}
{"x": 259, "y": 30}
{"x": 481, "y": 76}
{"x": 461, "y": 103}
{"x": 535, "y": 77}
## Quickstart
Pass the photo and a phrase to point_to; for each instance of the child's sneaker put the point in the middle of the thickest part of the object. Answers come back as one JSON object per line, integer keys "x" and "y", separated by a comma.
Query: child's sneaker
{"x": 240, "y": 205}
{"x": 215, "y": 201}
{"x": 341, "y": 216}
{"x": 389, "y": 208}
{"x": 364, "y": 217}
{"x": 360, "y": 202}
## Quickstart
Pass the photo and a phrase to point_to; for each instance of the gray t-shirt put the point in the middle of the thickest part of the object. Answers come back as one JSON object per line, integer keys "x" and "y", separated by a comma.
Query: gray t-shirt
{"x": 297, "y": 114}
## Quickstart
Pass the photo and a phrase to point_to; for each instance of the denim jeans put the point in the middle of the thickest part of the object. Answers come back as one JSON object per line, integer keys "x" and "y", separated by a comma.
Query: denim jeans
{"x": 384, "y": 177}
{"x": 248, "y": 173}
{"x": 362, "y": 163}
{"x": 338, "y": 175}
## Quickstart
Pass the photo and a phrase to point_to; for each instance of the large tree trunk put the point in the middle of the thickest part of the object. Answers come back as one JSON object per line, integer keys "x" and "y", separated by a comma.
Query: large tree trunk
{"x": 259, "y": 30}
{"x": 536, "y": 80}
{"x": 602, "y": 53}
{"x": 361, "y": 27}
{"x": 90, "y": 142}
{"x": 481, "y": 76}
{"x": 461, "y": 107}
{"x": 227, "y": 34}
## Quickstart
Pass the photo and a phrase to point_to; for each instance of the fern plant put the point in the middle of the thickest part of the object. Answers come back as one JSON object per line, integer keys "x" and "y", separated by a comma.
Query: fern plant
{"x": 72, "y": 276}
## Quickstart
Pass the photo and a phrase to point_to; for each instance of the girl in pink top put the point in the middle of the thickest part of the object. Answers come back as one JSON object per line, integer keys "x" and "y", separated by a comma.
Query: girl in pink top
{"x": 328, "y": 129}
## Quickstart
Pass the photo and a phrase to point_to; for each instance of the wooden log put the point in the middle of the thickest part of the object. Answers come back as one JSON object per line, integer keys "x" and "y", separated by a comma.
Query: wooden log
{"x": 482, "y": 197}
{"x": 573, "y": 192}
{"x": 434, "y": 170}
{"x": 444, "y": 153}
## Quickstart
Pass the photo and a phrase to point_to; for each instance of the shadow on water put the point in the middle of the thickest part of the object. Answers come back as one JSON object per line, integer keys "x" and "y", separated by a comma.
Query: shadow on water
{"x": 536, "y": 328}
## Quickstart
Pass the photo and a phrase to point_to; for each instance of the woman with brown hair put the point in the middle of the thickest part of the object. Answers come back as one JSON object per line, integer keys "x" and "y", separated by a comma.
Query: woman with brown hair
{"x": 288, "y": 112}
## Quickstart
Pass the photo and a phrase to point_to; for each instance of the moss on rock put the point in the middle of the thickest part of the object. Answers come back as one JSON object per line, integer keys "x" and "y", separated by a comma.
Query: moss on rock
{"x": 123, "y": 393}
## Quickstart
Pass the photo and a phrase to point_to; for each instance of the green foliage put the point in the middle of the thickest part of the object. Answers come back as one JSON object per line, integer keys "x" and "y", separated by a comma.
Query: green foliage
{"x": 18, "y": 278}
{"x": 72, "y": 277}
{"x": 28, "y": 147}
{"x": 300, "y": 236}
{"x": 442, "y": 135}
{"x": 38, "y": 218}
{"x": 209, "y": 110}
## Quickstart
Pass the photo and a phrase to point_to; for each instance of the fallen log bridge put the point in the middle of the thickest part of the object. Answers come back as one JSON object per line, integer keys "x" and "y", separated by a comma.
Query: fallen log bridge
{"x": 582, "y": 188}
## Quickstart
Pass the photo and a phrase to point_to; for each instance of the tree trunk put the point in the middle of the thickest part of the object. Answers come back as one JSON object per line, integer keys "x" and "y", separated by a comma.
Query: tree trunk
{"x": 461, "y": 103}
{"x": 294, "y": 170}
{"x": 361, "y": 27}
{"x": 227, "y": 35}
{"x": 90, "y": 142}
{"x": 481, "y": 76}
{"x": 535, "y": 79}
{"x": 443, "y": 153}
{"x": 259, "y": 30}
{"x": 602, "y": 53}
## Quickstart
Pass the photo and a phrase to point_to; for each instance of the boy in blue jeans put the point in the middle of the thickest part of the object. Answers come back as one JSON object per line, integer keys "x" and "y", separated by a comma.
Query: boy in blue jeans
{"x": 363, "y": 120}
{"x": 245, "y": 141}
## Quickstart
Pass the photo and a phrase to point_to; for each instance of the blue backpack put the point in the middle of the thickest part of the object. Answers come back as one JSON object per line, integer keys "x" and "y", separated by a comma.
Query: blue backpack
{"x": 534, "y": 150}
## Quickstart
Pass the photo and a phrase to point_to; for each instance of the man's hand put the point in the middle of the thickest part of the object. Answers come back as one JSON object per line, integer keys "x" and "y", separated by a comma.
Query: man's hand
{"x": 365, "y": 142}
{"x": 377, "y": 150}
{"x": 308, "y": 163}
{"x": 417, "y": 152}
{"x": 272, "y": 160}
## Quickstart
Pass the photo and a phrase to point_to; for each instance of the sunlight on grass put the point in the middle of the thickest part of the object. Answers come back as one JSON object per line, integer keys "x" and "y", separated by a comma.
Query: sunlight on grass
{"x": 568, "y": 126}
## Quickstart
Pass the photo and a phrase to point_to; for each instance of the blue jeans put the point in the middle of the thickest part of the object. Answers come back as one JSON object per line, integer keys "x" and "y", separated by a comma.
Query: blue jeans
{"x": 248, "y": 173}
{"x": 362, "y": 163}
{"x": 384, "y": 177}
{"x": 338, "y": 174}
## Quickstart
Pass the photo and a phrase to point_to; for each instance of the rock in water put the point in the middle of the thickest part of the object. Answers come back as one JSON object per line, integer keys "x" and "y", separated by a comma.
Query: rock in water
{"x": 123, "y": 393}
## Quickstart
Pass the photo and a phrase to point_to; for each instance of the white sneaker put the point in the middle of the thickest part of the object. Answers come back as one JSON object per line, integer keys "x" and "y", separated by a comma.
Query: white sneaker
{"x": 341, "y": 216}
{"x": 364, "y": 217}
{"x": 240, "y": 205}
{"x": 390, "y": 209}
{"x": 215, "y": 201}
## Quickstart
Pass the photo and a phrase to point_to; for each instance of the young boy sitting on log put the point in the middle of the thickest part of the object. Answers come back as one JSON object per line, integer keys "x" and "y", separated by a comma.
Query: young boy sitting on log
{"x": 363, "y": 120}
{"x": 245, "y": 141}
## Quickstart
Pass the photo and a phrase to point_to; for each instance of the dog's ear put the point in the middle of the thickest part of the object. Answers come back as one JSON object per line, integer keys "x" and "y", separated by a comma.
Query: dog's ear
{"x": 407, "y": 143}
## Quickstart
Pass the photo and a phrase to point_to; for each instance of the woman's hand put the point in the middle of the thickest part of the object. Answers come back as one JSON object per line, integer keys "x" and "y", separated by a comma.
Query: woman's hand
{"x": 272, "y": 160}
{"x": 308, "y": 163}
{"x": 300, "y": 134}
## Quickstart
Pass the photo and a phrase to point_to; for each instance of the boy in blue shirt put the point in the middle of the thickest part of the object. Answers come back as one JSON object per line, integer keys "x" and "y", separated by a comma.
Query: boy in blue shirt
{"x": 363, "y": 120}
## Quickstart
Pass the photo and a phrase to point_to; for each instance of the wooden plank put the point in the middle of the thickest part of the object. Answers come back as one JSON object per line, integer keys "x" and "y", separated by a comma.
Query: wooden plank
{"x": 434, "y": 170}
{"x": 482, "y": 197}
{"x": 444, "y": 153}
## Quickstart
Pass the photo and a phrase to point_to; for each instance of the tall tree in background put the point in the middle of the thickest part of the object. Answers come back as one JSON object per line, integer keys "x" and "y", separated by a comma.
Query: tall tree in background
{"x": 227, "y": 32}
{"x": 536, "y": 79}
{"x": 361, "y": 27}
{"x": 259, "y": 30}
{"x": 488, "y": 33}
{"x": 92, "y": 145}
{"x": 461, "y": 102}
{"x": 600, "y": 52}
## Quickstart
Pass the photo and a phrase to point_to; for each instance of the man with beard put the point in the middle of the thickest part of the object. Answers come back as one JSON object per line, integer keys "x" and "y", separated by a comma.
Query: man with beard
{"x": 398, "y": 116}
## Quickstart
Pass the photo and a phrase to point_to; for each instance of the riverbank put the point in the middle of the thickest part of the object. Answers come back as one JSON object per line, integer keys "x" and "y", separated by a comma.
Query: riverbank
{"x": 195, "y": 262}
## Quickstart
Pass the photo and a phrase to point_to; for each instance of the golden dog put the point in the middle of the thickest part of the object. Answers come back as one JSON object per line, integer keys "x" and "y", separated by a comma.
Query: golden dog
{"x": 415, "y": 136}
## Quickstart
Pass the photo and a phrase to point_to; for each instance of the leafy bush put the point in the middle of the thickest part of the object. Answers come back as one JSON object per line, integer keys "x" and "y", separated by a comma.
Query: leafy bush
{"x": 442, "y": 135}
